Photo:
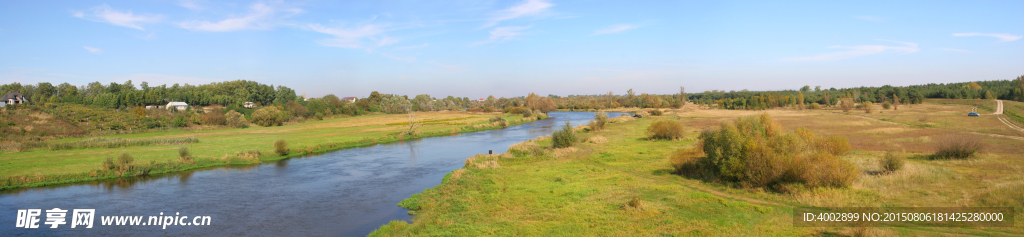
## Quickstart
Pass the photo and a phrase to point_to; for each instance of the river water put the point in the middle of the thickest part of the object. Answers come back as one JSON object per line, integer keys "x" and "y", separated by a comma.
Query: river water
{"x": 343, "y": 193}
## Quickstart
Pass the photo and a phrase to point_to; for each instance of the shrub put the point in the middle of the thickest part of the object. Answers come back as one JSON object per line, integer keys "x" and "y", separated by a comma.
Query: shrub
{"x": 686, "y": 161}
{"x": 565, "y": 137}
{"x": 756, "y": 152}
{"x": 664, "y": 129}
{"x": 489, "y": 109}
{"x": 179, "y": 121}
{"x": 121, "y": 165}
{"x": 656, "y": 113}
{"x": 215, "y": 117}
{"x": 958, "y": 146}
{"x": 501, "y": 121}
{"x": 319, "y": 116}
{"x": 539, "y": 114}
{"x": 527, "y": 113}
{"x": 281, "y": 147}
{"x": 886, "y": 105}
{"x": 184, "y": 155}
{"x": 600, "y": 119}
{"x": 891, "y": 163}
{"x": 236, "y": 119}
{"x": 868, "y": 107}
{"x": 814, "y": 106}
{"x": 267, "y": 116}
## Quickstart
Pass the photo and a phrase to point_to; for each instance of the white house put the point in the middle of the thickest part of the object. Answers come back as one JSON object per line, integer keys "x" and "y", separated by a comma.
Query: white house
{"x": 349, "y": 99}
{"x": 249, "y": 104}
{"x": 178, "y": 105}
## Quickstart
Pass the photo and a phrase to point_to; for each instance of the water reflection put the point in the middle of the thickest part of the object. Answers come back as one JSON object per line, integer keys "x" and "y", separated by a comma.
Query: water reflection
{"x": 348, "y": 192}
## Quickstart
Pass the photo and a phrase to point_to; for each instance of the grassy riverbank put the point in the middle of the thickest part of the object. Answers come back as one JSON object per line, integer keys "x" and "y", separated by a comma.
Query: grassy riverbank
{"x": 43, "y": 166}
{"x": 624, "y": 187}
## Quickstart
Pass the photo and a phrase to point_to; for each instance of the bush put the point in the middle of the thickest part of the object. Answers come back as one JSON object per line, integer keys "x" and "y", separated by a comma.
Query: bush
{"x": 686, "y": 161}
{"x": 489, "y": 109}
{"x": 565, "y": 137}
{"x": 814, "y": 106}
{"x": 600, "y": 119}
{"x": 215, "y": 117}
{"x": 891, "y": 163}
{"x": 539, "y": 114}
{"x": 756, "y": 152}
{"x": 664, "y": 129}
{"x": 184, "y": 155}
{"x": 958, "y": 146}
{"x": 886, "y": 105}
{"x": 123, "y": 164}
{"x": 179, "y": 121}
{"x": 527, "y": 113}
{"x": 281, "y": 147}
{"x": 236, "y": 119}
{"x": 267, "y": 116}
{"x": 868, "y": 107}
{"x": 501, "y": 121}
{"x": 846, "y": 104}
{"x": 656, "y": 113}
{"x": 319, "y": 116}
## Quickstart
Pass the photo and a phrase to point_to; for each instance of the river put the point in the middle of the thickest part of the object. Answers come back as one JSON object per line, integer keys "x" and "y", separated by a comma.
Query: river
{"x": 343, "y": 193}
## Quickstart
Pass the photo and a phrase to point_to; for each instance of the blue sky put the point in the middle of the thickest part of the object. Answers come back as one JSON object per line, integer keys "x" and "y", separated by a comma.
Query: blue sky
{"x": 511, "y": 48}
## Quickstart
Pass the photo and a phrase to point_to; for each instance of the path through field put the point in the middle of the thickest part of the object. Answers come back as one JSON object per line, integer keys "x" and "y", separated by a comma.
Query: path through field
{"x": 999, "y": 111}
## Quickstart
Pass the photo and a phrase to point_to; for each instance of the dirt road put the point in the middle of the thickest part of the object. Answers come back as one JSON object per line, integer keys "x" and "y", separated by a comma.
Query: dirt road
{"x": 999, "y": 111}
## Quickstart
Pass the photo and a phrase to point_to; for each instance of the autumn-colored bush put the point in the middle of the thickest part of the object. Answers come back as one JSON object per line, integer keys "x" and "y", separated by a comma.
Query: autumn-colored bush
{"x": 215, "y": 117}
{"x": 657, "y": 113}
{"x": 756, "y": 152}
{"x": 665, "y": 129}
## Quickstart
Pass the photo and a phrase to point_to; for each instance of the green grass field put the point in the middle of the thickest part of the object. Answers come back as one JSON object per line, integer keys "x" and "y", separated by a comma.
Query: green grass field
{"x": 624, "y": 187}
{"x": 214, "y": 144}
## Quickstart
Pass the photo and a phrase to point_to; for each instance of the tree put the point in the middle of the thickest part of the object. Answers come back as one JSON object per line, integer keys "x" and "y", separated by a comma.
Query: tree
{"x": 817, "y": 88}
{"x": 236, "y": 119}
{"x": 800, "y": 99}
{"x": 267, "y": 116}
{"x": 805, "y": 88}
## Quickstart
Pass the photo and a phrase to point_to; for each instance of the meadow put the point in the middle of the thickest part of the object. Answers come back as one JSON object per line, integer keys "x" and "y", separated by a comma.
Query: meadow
{"x": 618, "y": 182}
{"x": 79, "y": 159}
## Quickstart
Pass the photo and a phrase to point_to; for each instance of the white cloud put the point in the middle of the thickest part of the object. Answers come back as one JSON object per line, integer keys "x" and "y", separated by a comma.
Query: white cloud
{"x": 104, "y": 13}
{"x": 870, "y": 18}
{"x": 92, "y": 50}
{"x": 500, "y": 34}
{"x": 956, "y": 50}
{"x": 260, "y": 16}
{"x": 349, "y": 38}
{"x": 1001, "y": 37}
{"x": 857, "y": 51}
{"x": 530, "y": 7}
{"x": 614, "y": 29}
{"x": 424, "y": 45}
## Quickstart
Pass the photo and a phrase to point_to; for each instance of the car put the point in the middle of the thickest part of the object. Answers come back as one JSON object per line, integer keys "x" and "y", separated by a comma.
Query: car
{"x": 973, "y": 114}
{"x": 638, "y": 116}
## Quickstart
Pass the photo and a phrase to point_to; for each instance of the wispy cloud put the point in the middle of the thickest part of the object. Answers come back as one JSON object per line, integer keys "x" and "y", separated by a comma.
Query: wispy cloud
{"x": 104, "y": 13}
{"x": 93, "y": 50}
{"x": 500, "y": 34}
{"x": 615, "y": 29}
{"x": 1001, "y": 37}
{"x": 385, "y": 41}
{"x": 528, "y": 8}
{"x": 870, "y": 18}
{"x": 350, "y": 37}
{"x": 190, "y": 4}
{"x": 857, "y": 51}
{"x": 424, "y": 45}
{"x": 957, "y": 50}
{"x": 260, "y": 16}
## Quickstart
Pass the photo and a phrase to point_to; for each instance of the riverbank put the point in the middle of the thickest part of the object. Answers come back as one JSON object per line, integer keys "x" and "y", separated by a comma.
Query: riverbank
{"x": 624, "y": 187}
{"x": 235, "y": 146}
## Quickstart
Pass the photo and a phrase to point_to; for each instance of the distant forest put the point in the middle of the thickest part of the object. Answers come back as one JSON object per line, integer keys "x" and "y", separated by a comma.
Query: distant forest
{"x": 234, "y": 93}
